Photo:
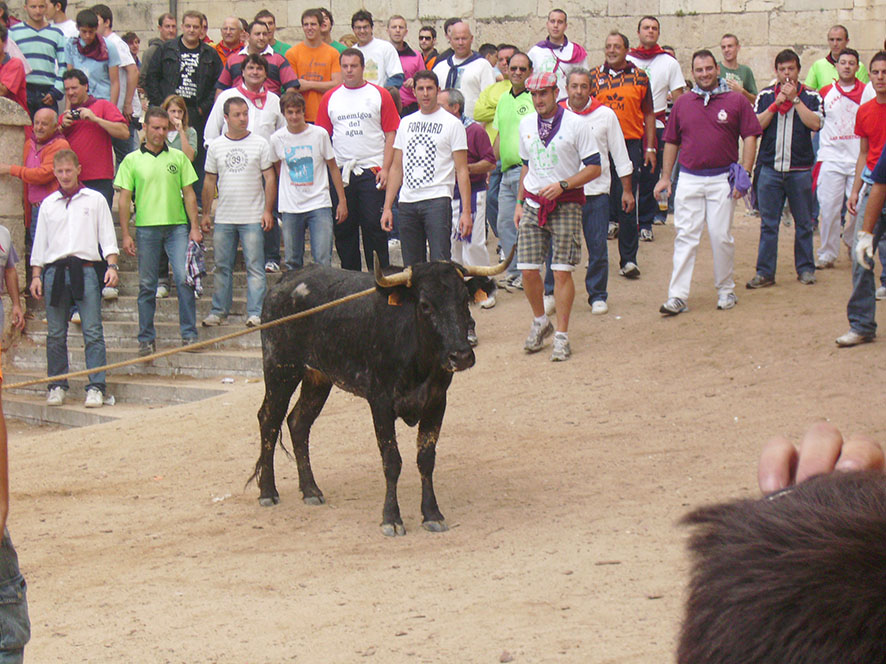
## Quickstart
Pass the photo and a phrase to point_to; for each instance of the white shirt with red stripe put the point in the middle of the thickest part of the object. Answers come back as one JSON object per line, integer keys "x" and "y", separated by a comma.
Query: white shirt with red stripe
{"x": 839, "y": 143}
{"x": 357, "y": 119}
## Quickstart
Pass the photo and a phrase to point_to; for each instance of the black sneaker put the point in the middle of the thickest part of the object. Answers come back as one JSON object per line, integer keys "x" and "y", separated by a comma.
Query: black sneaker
{"x": 759, "y": 281}
{"x": 146, "y": 348}
{"x": 190, "y": 342}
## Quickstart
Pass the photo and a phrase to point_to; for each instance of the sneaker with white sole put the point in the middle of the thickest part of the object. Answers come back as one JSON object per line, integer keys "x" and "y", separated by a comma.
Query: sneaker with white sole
{"x": 488, "y": 303}
{"x": 727, "y": 301}
{"x": 75, "y": 318}
{"x": 646, "y": 235}
{"x": 162, "y": 291}
{"x": 881, "y": 293}
{"x": 253, "y": 321}
{"x": 272, "y": 266}
{"x": 599, "y": 307}
{"x": 212, "y": 320}
{"x": 824, "y": 263}
{"x": 110, "y": 293}
{"x": 673, "y": 306}
{"x": 537, "y": 335}
{"x": 514, "y": 283}
{"x": 853, "y": 338}
{"x": 550, "y": 305}
{"x": 94, "y": 398}
{"x": 55, "y": 396}
{"x": 612, "y": 231}
{"x": 630, "y": 270}
{"x": 561, "y": 350}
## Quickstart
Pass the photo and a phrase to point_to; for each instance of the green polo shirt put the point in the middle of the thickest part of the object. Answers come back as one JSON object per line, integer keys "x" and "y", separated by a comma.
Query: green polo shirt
{"x": 157, "y": 181}
{"x": 508, "y": 113}
{"x": 824, "y": 73}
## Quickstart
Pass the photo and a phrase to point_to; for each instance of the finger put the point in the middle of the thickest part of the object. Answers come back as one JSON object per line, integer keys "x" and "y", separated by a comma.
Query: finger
{"x": 819, "y": 450}
{"x": 777, "y": 464}
{"x": 861, "y": 452}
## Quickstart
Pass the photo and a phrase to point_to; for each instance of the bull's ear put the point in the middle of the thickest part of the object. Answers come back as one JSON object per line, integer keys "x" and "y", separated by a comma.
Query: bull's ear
{"x": 477, "y": 284}
{"x": 395, "y": 295}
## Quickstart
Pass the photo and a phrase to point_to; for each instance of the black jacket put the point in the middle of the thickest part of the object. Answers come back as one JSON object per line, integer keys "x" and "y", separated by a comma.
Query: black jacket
{"x": 164, "y": 76}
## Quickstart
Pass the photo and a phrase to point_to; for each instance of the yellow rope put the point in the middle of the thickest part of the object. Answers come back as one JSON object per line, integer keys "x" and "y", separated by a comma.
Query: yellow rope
{"x": 196, "y": 346}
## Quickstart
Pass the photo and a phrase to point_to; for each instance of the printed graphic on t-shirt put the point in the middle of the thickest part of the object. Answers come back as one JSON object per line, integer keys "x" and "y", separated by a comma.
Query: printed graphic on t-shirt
{"x": 188, "y": 86}
{"x": 543, "y": 158}
{"x": 370, "y": 71}
{"x": 236, "y": 160}
{"x": 420, "y": 159}
{"x": 300, "y": 161}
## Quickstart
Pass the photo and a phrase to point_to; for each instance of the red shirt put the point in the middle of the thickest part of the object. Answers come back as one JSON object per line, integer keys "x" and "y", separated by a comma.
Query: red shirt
{"x": 92, "y": 144}
{"x": 12, "y": 75}
{"x": 870, "y": 123}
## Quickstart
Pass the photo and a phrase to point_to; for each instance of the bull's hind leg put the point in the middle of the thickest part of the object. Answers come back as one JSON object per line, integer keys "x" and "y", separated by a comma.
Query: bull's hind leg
{"x": 278, "y": 391}
{"x": 315, "y": 389}
{"x": 383, "y": 419}
{"x": 428, "y": 433}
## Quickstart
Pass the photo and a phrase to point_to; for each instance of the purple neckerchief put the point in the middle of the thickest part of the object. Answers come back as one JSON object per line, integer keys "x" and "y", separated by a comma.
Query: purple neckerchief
{"x": 547, "y": 130}
{"x": 547, "y": 43}
{"x": 455, "y": 234}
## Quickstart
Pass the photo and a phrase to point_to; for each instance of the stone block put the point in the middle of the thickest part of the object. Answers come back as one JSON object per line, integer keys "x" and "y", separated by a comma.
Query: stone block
{"x": 813, "y": 5}
{"x": 689, "y": 7}
{"x": 431, "y": 9}
{"x": 801, "y": 28}
{"x": 523, "y": 32}
{"x": 762, "y": 5}
{"x": 574, "y": 8}
{"x": 140, "y": 17}
{"x": 493, "y": 9}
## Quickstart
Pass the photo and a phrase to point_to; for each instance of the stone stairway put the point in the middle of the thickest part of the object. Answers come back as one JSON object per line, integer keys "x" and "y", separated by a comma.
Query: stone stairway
{"x": 180, "y": 378}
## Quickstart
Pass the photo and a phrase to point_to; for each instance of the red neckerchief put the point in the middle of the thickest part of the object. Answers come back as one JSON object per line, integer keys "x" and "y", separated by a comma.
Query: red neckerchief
{"x": 90, "y": 100}
{"x": 855, "y": 93}
{"x": 68, "y": 196}
{"x": 97, "y": 50}
{"x": 258, "y": 99}
{"x": 648, "y": 53}
{"x": 591, "y": 107}
{"x": 786, "y": 107}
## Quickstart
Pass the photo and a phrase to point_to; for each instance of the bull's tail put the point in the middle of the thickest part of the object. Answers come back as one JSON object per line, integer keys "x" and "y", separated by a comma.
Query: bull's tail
{"x": 258, "y": 464}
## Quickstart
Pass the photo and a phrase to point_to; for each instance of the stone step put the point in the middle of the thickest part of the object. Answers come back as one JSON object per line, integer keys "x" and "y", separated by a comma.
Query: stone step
{"x": 245, "y": 363}
{"x": 123, "y": 333}
{"x": 33, "y": 408}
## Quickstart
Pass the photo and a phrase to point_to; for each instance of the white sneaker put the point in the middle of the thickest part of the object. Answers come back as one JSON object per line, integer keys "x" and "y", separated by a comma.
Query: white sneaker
{"x": 881, "y": 293}
{"x": 853, "y": 338}
{"x": 673, "y": 306}
{"x": 75, "y": 318}
{"x": 272, "y": 266}
{"x": 561, "y": 351}
{"x": 537, "y": 335}
{"x": 488, "y": 303}
{"x": 253, "y": 321}
{"x": 212, "y": 320}
{"x": 599, "y": 307}
{"x": 550, "y": 305}
{"x": 56, "y": 396}
{"x": 110, "y": 293}
{"x": 94, "y": 398}
{"x": 630, "y": 270}
{"x": 727, "y": 301}
{"x": 162, "y": 291}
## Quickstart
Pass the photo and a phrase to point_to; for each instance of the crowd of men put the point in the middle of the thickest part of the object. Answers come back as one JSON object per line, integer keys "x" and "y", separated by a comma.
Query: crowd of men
{"x": 377, "y": 144}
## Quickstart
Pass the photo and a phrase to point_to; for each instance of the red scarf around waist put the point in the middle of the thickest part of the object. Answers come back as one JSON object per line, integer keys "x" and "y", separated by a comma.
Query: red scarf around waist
{"x": 547, "y": 206}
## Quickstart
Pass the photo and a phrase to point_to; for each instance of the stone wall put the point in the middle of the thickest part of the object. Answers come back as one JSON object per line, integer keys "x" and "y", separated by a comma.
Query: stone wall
{"x": 763, "y": 26}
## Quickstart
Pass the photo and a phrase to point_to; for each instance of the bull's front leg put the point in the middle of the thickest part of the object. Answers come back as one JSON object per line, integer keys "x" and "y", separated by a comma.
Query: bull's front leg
{"x": 428, "y": 433}
{"x": 385, "y": 433}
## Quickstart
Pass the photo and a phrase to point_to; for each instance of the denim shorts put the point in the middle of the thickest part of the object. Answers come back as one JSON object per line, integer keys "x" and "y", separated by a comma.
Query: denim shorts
{"x": 15, "y": 627}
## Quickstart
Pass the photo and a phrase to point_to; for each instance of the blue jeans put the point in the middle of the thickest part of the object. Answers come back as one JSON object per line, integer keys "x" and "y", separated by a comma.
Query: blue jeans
{"x": 628, "y": 231}
{"x": 15, "y": 626}
{"x": 647, "y": 206}
{"x": 492, "y": 198}
{"x": 426, "y": 223}
{"x": 595, "y": 224}
{"x": 862, "y": 307}
{"x": 224, "y": 243}
{"x": 507, "y": 202}
{"x": 319, "y": 222}
{"x": 772, "y": 189}
{"x": 57, "y": 318}
{"x": 174, "y": 240}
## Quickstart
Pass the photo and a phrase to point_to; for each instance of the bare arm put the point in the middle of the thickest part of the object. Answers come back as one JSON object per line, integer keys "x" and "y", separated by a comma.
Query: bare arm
{"x": 190, "y": 199}
{"x": 649, "y": 130}
{"x": 210, "y": 181}
{"x": 115, "y": 129}
{"x": 395, "y": 179}
{"x": 267, "y": 220}
{"x": 124, "y": 204}
{"x": 341, "y": 212}
{"x": 852, "y": 201}
{"x": 382, "y": 177}
{"x": 11, "y": 278}
{"x": 131, "y": 86}
{"x": 810, "y": 118}
{"x": 481, "y": 167}
{"x": 320, "y": 86}
{"x": 749, "y": 152}
{"x": 114, "y": 75}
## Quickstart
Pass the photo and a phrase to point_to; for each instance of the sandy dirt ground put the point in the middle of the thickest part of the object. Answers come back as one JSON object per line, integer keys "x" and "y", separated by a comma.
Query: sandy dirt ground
{"x": 562, "y": 485}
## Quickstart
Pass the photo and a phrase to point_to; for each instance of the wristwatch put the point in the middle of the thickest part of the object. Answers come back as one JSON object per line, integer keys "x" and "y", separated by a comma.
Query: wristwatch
{"x": 114, "y": 266}
{"x": 796, "y": 100}
{"x": 564, "y": 185}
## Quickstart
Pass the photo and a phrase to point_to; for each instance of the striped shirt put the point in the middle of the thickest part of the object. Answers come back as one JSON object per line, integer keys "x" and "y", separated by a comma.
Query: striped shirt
{"x": 44, "y": 50}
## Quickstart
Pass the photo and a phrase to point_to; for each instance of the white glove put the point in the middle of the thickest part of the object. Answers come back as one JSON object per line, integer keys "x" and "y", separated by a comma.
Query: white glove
{"x": 864, "y": 250}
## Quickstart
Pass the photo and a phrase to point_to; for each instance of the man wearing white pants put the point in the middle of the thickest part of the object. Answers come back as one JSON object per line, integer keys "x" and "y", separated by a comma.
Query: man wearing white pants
{"x": 837, "y": 153}
{"x": 705, "y": 126}
{"x": 470, "y": 250}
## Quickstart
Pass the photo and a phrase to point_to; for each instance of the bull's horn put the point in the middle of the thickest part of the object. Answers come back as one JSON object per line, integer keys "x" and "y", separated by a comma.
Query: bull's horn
{"x": 492, "y": 270}
{"x": 387, "y": 281}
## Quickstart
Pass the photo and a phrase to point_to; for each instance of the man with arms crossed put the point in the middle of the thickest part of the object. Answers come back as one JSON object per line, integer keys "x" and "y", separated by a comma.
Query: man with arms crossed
{"x": 705, "y": 127}
{"x": 559, "y": 156}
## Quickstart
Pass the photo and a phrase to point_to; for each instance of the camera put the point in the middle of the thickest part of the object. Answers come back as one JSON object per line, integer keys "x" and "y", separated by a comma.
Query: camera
{"x": 75, "y": 114}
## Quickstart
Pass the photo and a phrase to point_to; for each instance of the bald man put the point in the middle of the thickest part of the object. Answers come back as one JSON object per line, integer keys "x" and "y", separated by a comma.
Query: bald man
{"x": 466, "y": 71}
{"x": 230, "y": 43}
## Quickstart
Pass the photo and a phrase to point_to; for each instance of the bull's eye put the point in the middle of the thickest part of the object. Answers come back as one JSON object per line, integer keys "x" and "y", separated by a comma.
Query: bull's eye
{"x": 426, "y": 307}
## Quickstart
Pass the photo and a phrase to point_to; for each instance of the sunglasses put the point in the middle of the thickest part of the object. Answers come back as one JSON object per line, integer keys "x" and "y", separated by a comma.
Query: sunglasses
{"x": 420, "y": 38}
{"x": 519, "y": 68}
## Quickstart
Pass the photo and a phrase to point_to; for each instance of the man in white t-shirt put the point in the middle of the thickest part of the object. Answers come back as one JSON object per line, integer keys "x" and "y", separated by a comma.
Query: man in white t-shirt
{"x": 466, "y": 71}
{"x": 556, "y": 53}
{"x": 665, "y": 77}
{"x": 239, "y": 162}
{"x": 55, "y": 12}
{"x": 430, "y": 155}
{"x": 382, "y": 64}
{"x": 128, "y": 102}
{"x": 837, "y": 153}
{"x": 560, "y": 156}
{"x": 361, "y": 118}
{"x": 304, "y": 161}
{"x": 264, "y": 106}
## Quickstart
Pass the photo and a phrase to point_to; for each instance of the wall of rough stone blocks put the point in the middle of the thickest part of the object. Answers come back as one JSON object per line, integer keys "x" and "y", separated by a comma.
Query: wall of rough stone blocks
{"x": 763, "y": 26}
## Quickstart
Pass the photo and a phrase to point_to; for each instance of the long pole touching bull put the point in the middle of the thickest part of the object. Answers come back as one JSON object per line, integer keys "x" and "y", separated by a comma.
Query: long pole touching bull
{"x": 397, "y": 348}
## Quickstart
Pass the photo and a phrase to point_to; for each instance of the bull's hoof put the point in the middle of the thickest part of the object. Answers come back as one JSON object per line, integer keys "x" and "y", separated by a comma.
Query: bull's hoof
{"x": 392, "y": 529}
{"x": 314, "y": 500}
{"x": 269, "y": 502}
{"x": 435, "y": 526}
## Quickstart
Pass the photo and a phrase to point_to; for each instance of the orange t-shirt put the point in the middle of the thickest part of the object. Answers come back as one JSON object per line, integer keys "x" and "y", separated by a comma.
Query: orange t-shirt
{"x": 313, "y": 64}
{"x": 623, "y": 93}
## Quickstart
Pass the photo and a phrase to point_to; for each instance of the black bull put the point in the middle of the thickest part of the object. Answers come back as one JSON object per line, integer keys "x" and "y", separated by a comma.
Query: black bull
{"x": 397, "y": 348}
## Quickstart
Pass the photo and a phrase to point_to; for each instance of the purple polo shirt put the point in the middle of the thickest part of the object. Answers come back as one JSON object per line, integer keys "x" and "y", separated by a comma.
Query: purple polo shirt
{"x": 479, "y": 148}
{"x": 708, "y": 135}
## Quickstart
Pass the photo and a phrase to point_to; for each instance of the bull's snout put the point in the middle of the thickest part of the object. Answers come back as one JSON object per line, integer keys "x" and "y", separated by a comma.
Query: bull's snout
{"x": 459, "y": 360}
